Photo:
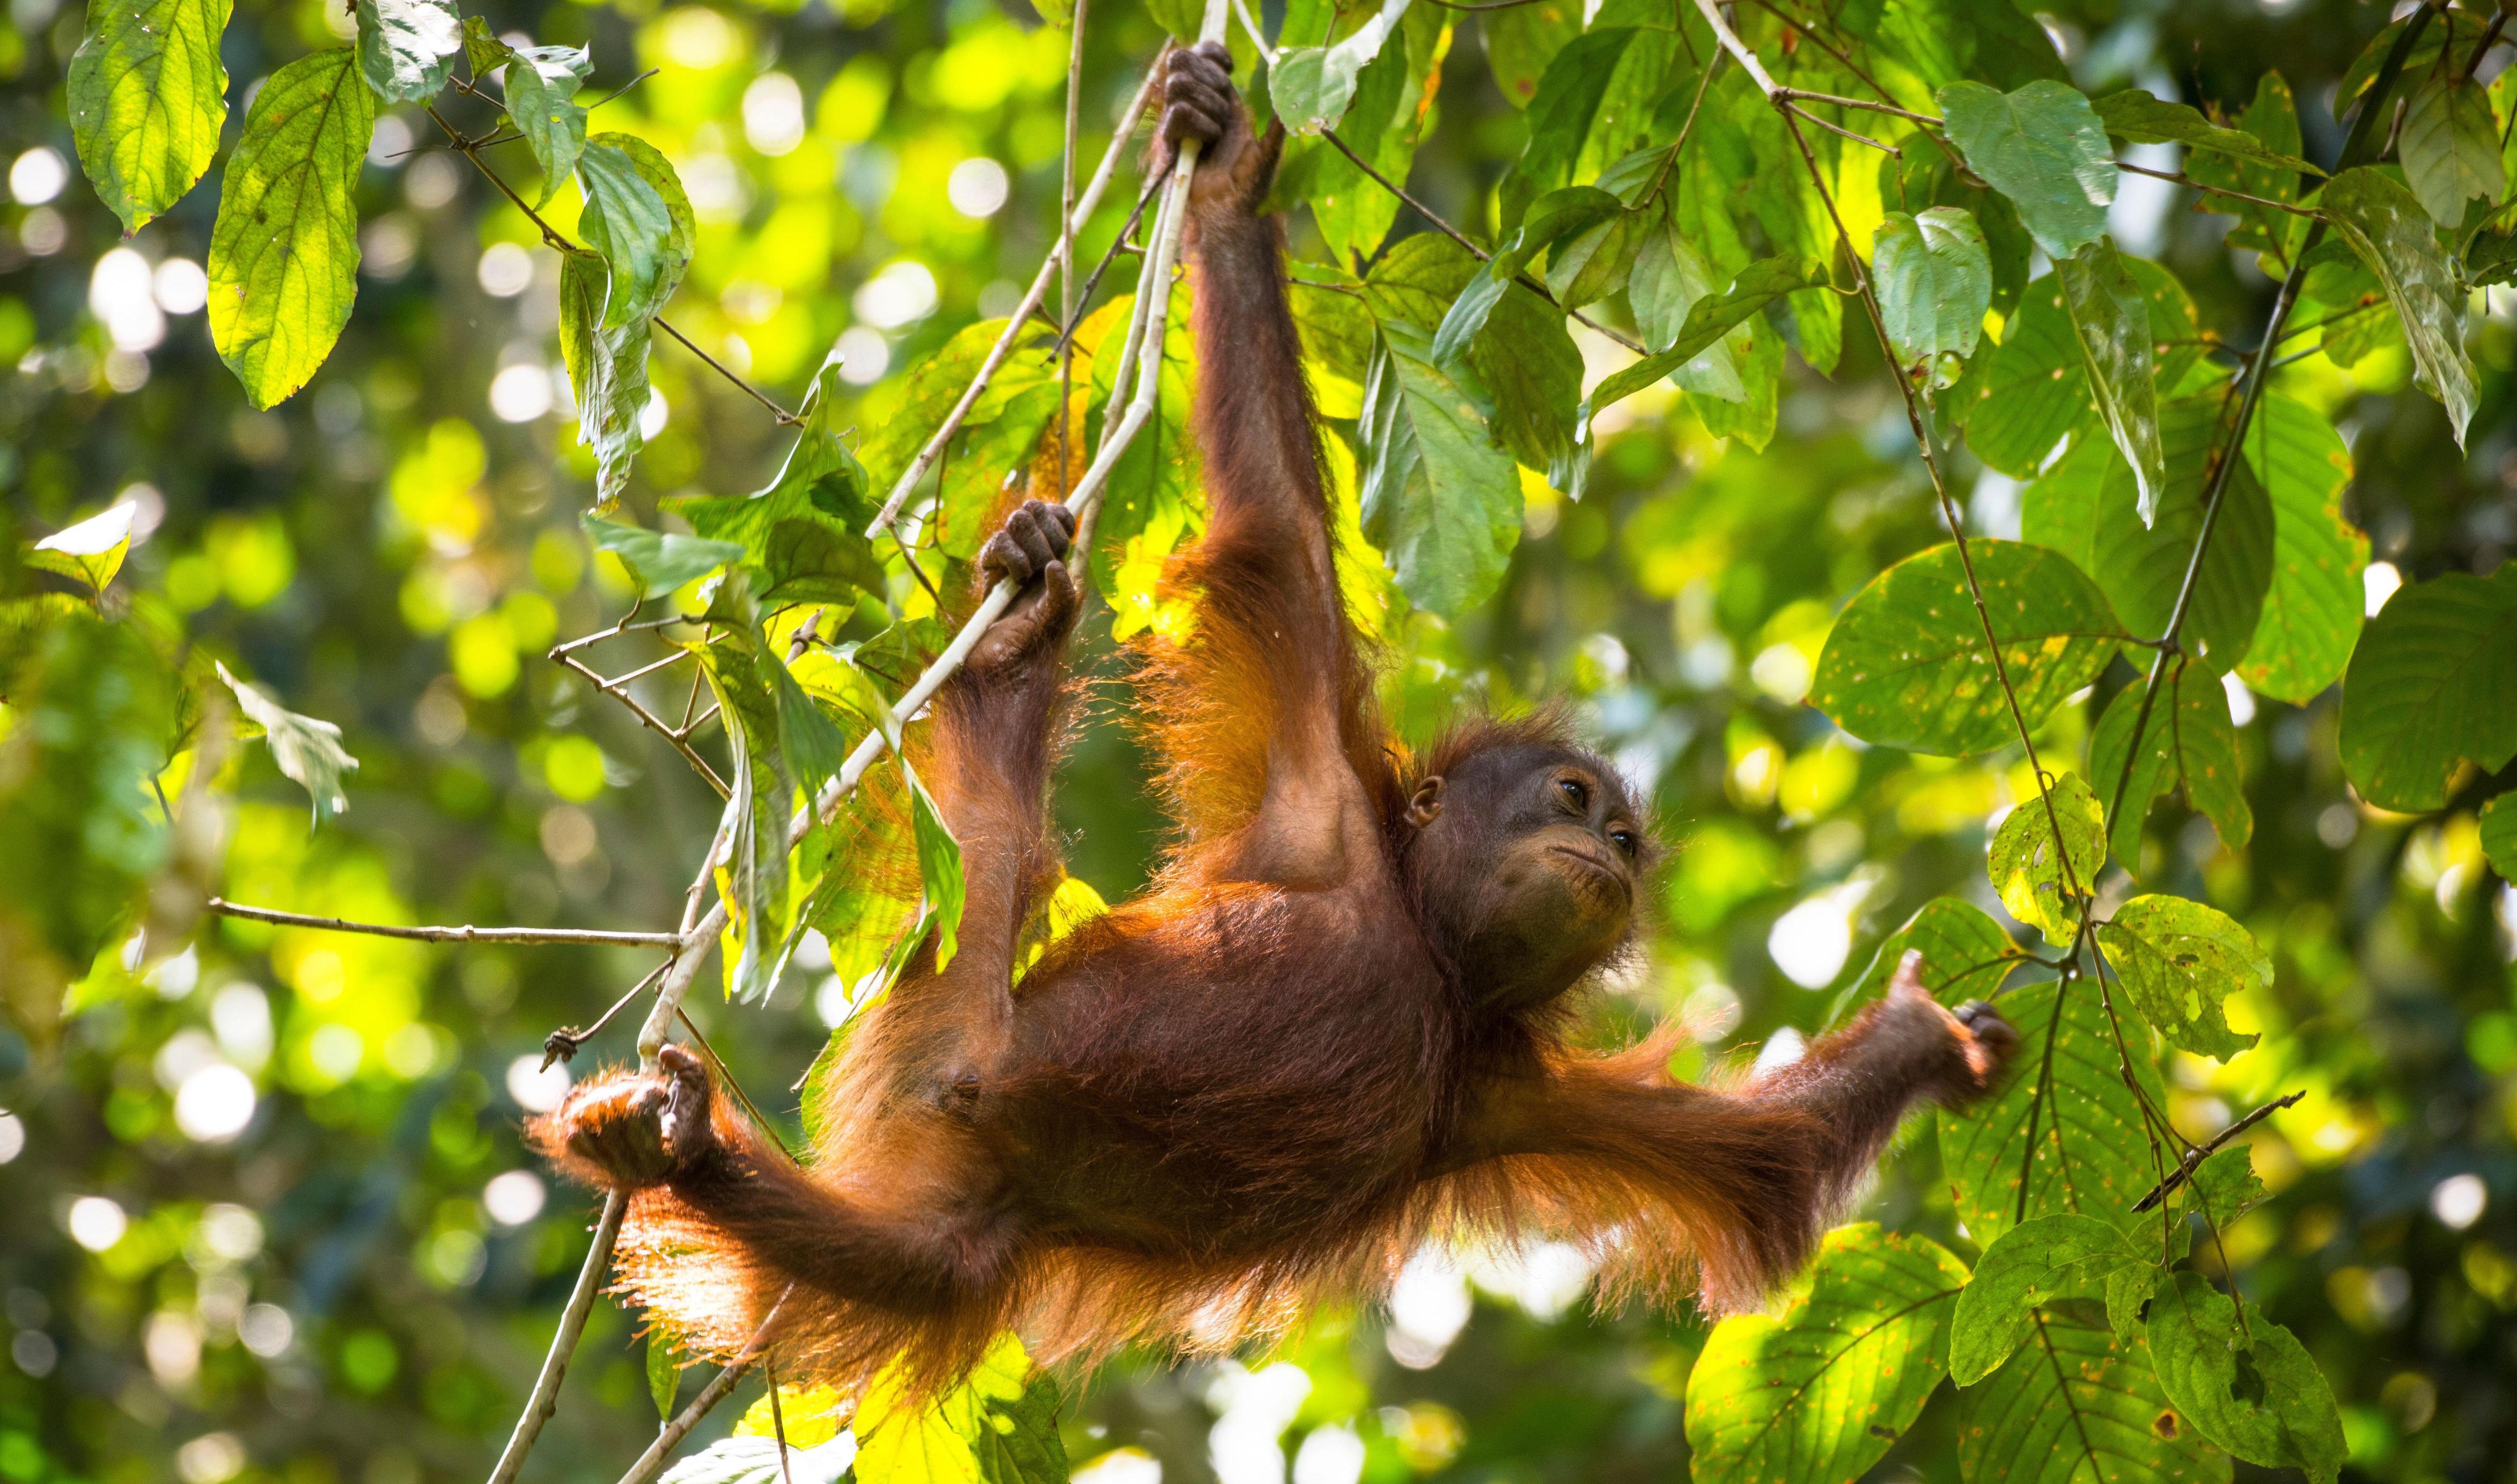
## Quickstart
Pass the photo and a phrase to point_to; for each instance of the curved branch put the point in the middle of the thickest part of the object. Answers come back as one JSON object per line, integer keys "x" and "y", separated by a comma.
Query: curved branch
{"x": 465, "y": 933}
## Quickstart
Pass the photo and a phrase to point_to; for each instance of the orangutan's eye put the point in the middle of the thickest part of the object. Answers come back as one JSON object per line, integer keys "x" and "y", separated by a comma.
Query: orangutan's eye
{"x": 1576, "y": 793}
{"x": 1625, "y": 839}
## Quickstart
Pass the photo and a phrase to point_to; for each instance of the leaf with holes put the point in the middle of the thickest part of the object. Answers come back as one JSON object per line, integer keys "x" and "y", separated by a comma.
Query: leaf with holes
{"x": 2030, "y": 1265}
{"x": 1820, "y": 1391}
{"x": 2224, "y": 1187}
{"x": 407, "y": 48}
{"x": 2077, "y": 1406}
{"x": 308, "y": 751}
{"x": 2253, "y": 1391}
{"x": 2177, "y": 960}
{"x": 2450, "y": 146}
{"x": 2312, "y": 610}
{"x": 148, "y": 98}
{"x": 2046, "y": 857}
{"x": 2135, "y": 115}
{"x": 2432, "y": 687}
{"x": 2387, "y": 228}
{"x": 2043, "y": 147}
{"x": 1935, "y": 283}
{"x": 2187, "y": 742}
{"x": 284, "y": 253}
{"x": 2087, "y": 507}
{"x": 2064, "y": 1133}
{"x": 2111, "y": 323}
{"x": 1905, "y": 664}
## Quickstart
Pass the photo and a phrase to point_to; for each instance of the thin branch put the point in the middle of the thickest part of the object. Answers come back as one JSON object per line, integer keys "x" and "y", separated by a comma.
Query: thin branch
{"x": 544, "y": 1401}
{"x": 1118, "y": 245}
{"x": 624, "y": 627}
{"x": 2180, "y": 178}
{"x": 1783, "y": 94}
{"x": 462, "y": 934}
{"x": 1842, "y": 58}
{"x": 1456, "y": 236}
{"x": 785, "y": 417}
{"x": 651, "y": 1462}
{"x": 1858, "y": 138}
{"x": 564, "y": 1043}
{"x": 2211, "y": 1146}
{"x": 623, "y": 88}
{"x": 653, "y": 723}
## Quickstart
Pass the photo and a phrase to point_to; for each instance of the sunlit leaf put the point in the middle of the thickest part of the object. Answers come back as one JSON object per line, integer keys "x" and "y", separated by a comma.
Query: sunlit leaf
{"x": 1820, "y": 1391}
{"x": 2224, "y": 1187}
{"x": 2077, "y": 1404}
{"x": 939, "y": 867}
{"x": 1707, "y": 321}
{"x": 1382, "y": 123}
{"x": 2046, "y": 856}
{"x": 2042, "y": 147}
{"x": 284, "y": 254}
{"x": 148, "y": 98}
{"x": 2252, "y": 1390}
{"x": 2177, "y": 960}
{"x": 1966, "y": 955}
{"x": 2311, "y": 611}
{"x": 2432, "y": 686}
{"x": 1593, "y": 101}
{"x": 91, "y": 551}
{"x": 541, "y": 85}
{"x": 997, "y": 1426}
{"x": 2064, "y": 1133}
{"x": 1310, "y": 86}
{"x": 1439, "y": 498}
{"x": 308, "y": 751}
{"x": 407, "y": 48}
{"x": 2029, "y": 1267}
{"x": 2113, "y": 325}
{"x": 625, "y": 224}
{"x": 1906, "y": 664}
{"x": 2187, "y": 742}
{"x": 2387, "y": 228}
{"x": 663, "y": 1375}
{"x": 805, "y": 532}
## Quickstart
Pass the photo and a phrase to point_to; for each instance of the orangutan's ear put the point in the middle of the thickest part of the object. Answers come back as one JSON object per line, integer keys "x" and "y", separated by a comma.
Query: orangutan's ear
{"x": 1426, "y": 805}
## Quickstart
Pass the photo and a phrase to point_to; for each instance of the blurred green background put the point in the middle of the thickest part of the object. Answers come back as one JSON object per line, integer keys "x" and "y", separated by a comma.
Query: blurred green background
{"x": 263, "y": 1212}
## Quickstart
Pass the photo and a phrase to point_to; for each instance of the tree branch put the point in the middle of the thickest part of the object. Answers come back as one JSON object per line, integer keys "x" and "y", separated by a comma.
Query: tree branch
{"x": 2194, "y": 1156}
{"x": 464, "y": 934}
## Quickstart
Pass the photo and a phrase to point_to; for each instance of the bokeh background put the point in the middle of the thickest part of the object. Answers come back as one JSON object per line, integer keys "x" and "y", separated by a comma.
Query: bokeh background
{"x": 263, "y": 1212}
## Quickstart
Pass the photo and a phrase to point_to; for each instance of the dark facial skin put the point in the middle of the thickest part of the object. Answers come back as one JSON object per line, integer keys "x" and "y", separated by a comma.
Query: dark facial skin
{"x": 1529, "y": 858}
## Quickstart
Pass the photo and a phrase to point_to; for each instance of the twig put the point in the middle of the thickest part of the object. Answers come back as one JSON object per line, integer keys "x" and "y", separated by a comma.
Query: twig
{"x": 623, "y": 88}
{"x": 462, "y": 934}
{"x": 1779, "y": 91}
{"x": 1066, "y": 258}
{"x": 1849, "y": 134}
{"x": 653, "y": 723}
{"x": 1842, "y": 58}
{"x": 2182, "y": 178}
{"x": 1118, "y": 245}
{"x": 778, "y": 1412}
{"x": 785, "y": 417}
{"x": 1021, "y": 316}
{"x": 544, "y": 1402}
{"x": 1456, "y": 236}
{"x": 624, "y": 627}
{"x": 2209, "y": 1147}
{"x": 651, "y": 1462}
{"x": 564, "y": 1043}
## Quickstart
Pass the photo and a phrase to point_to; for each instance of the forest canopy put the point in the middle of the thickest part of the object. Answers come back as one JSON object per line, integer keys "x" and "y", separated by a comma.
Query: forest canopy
{"x": 489, "y": 485}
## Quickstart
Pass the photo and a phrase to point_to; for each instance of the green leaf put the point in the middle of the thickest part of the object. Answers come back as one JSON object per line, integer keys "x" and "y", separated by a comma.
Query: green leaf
{"x": 483, "y": 51}
{"x": 1439, "y": 498}
{"x": 2188, "y": 742}
{"x": 939, "y": 867}
{"x": 997, "y": 1426}
{"x": 2064, "y": 1133}
{"x": 2076, "y": 1406}
{"x": 1587, "y": 267}
{"x": 1708, "y": 321}
{"x": 1520, "y": 40}
{"x": 1594, "y": 102}
{"x": 661, "y": 561}
{"x": 308, "y": 751}
{"x": 1557, "y": 215}
{"x": 1390, "y": 112}
{"x": 607, "y": 367}
{"x": 2254, "y": 1392}
{"x": 1310, "y": 86}
{"x": 2046, "y": 856}
{"x": 1530, "y": 367}
{"x": 284, "y": 254}
{"x": 407, "y": 48}
{"x": 2500, "y": 835}
{"x": 1671, "y": 276}
{"x": 681, "y": 240}
{"x": 2273, "y": 118}
{"x": 2025, "y": 1268}
{"x": 541, "y": 102}
{"x": 2135, "y": 115}
{"x": 148, "y": 98}
{"x": 2432, "y": 686}
{"x": 2312, "y": 612}
{"x": 2113, "y": 325}
{"x": 91, "y": 551}
{"x": 1966, "y": 955}
{"x": 2035, "y": 388}
{"x": 2224, "y": 1186}
{"x": 2086, "y": 507}
{"x": 1907, "y": 666}
{"x": 2460, "y": 29}
{"x": 2042, "y": 147}
{"x": 625, "y": 224}
{"x": 2177, "y": 960}
{"x": 663, "y": 1375}
{"x": 1820, "y": 1391}
{"x": 2385, "y": 225}
{"x": 754, "y": 875}
{"x": 1935, "y": 283}
{"x": 2450, "y": 146}
{"x": 804, "y": 533}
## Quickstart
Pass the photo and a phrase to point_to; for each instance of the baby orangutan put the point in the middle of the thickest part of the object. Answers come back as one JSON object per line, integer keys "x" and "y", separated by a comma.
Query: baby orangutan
{"x": 1333, "y": 1026}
